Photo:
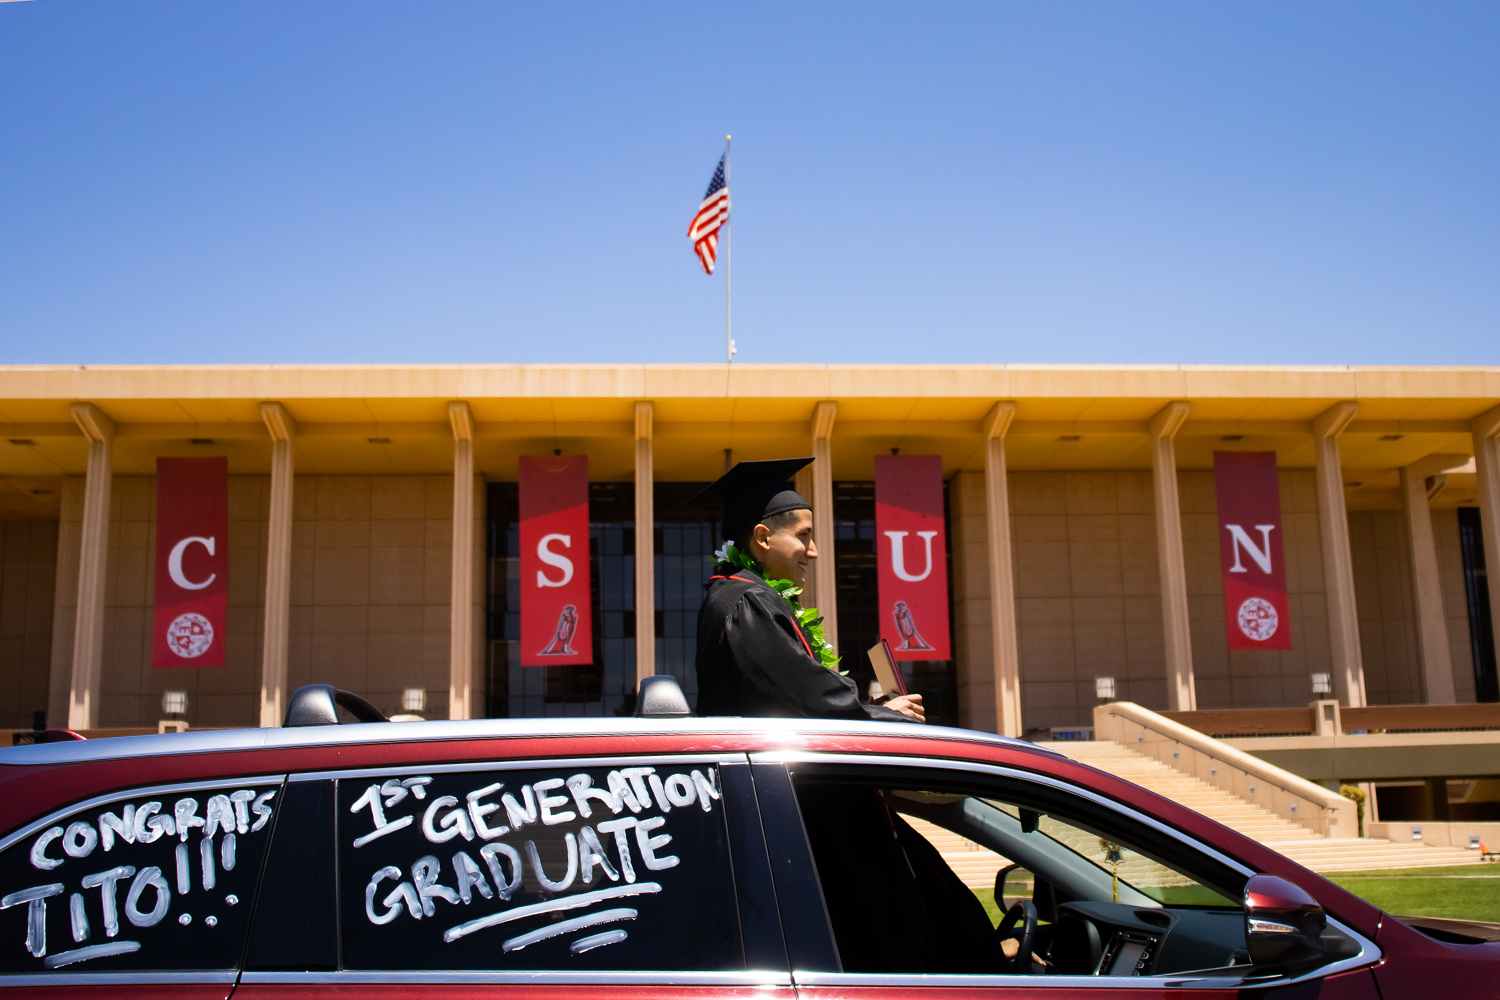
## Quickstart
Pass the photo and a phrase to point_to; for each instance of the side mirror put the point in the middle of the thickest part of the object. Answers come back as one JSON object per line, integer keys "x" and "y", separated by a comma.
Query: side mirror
{"x": 1013, "y": 884}
{"x": 1283, "y": 924}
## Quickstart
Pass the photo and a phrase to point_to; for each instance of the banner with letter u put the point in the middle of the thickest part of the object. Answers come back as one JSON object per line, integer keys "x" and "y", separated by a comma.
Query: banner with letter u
{"x": 1256, "y": 612}
{"x": 911, "y": 545}
{"x": 556, "y": 619}
{"x": 192, "y": 562}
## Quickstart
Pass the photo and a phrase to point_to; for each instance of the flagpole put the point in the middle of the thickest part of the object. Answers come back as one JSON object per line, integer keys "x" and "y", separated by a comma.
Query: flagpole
{"x": 728, "y": 265}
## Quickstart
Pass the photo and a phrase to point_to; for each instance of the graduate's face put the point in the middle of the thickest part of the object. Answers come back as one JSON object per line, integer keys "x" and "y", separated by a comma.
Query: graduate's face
{"x": 786, "y": 552}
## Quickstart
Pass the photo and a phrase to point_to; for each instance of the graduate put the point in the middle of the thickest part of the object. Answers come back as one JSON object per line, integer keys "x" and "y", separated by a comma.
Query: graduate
{"x": 759, "y": 652}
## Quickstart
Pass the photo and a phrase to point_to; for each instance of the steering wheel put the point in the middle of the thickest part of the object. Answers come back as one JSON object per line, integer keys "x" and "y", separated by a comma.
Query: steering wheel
{"x": 1019, "y": 923}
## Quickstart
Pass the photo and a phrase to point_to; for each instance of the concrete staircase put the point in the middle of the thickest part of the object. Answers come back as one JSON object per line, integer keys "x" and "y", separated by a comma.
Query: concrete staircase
{"x": 1321, "y": 854}
{"x": 974, "y": 864}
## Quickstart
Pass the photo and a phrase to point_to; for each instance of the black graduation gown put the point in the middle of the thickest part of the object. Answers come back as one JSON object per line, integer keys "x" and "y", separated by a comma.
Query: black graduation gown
{"x": 754, "y": 660}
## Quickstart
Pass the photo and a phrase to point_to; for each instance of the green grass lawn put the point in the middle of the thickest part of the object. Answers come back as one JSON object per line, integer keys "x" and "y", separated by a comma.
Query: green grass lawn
{"x": 987, "y": 897}
{"x": 1467, "y": 892}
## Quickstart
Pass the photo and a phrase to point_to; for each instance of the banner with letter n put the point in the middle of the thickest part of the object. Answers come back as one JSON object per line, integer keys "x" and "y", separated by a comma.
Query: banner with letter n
{"x": 192, "y": 562}
{"x": 1255, "y": 606}
{"x": 911, "y": 545}
{"x": 556, "y": 619}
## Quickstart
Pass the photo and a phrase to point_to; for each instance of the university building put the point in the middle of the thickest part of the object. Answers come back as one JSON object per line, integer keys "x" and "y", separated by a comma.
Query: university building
{"x": 373, "y": 530}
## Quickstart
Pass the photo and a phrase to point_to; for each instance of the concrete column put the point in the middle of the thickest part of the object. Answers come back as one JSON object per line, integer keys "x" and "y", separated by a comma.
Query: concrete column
{"x": 1007, "y": 656}
{"x": 462, "y": 699}
{"x": 1177, "y": 639}
{"x": 825, "y": 528}
{"x": 1338, "y": 565}
{"x": 1427, "y": 583}
{"x": 1486, "y": 430}
{"x": 802, "y": 482}
{"x": 88, "y": 627}
{"x": 973, "y": 648}
{"x": 645, "y": 543}
{"x": 273, "y": 692}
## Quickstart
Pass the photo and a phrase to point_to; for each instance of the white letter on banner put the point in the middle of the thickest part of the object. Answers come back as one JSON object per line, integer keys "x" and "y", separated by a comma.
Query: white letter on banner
{"x": 551, "y": 558}
{"x": 898, "y": 560}
{"x": 1238, "y": 538}
{"x": 174, "y": 563}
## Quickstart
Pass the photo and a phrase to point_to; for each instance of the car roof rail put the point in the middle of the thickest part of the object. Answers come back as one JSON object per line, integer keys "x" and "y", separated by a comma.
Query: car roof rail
{"x": 660, "y": 696}
{"x": 318, "y": 705}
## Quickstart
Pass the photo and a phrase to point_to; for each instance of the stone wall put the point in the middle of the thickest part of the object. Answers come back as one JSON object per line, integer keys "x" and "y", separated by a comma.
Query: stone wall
{"x": 371, "y": 573}
{"x": 1087, "y": 592}
{"x": 1387, "y": 608}
{"x": 1088, "y": 598}
{"x": 130, "y": 688}
{"x": 1379, "y": 547}
{"x": 371, "y": 576}
{"x": 1254, "y": 678}
{"x": 28, "y": 565}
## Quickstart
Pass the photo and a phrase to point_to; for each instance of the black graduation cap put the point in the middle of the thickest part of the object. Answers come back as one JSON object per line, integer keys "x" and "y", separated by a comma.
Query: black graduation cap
{"x": 754, "y": 491}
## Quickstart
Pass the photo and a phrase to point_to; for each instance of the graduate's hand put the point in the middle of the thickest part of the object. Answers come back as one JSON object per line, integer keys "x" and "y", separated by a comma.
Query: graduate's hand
{"x": 909, "y": 705}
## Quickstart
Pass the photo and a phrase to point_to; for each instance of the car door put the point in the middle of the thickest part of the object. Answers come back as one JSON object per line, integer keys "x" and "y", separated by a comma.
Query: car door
{"x": 1117, "y": 902}
{"x": 147, "y": 891}
{"x": 603, "y": 877}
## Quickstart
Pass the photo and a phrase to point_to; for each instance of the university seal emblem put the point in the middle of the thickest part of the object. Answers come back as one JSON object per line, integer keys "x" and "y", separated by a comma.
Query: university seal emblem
{"x": 1257, "y": 619}
{"x": 190, "y": 635}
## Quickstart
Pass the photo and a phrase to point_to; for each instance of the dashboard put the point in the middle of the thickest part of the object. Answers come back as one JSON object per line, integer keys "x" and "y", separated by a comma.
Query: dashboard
{"x": 1117, "y": 939}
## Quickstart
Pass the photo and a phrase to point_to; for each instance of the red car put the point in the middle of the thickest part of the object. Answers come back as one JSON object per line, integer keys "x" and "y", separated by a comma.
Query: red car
{"x": 651, "y": 857}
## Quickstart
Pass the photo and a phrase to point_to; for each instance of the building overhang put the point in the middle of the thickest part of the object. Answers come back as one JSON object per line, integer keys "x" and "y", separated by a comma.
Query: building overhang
{"x": 392, "y": 419}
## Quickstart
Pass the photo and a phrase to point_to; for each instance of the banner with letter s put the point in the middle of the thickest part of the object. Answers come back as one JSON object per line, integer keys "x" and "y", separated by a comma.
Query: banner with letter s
{"x": 911, "y": 545}
{"x": 1256, "y": 612}
{"x": 556, "y": 619}
{"x": 192, "y": 562}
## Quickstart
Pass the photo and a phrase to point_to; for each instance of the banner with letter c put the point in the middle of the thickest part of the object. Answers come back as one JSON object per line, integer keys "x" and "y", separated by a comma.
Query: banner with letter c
{"x": 556, "y": 619}
{"x": 911, "y": 545}
{"x": 192, "y": 562}
{"x": 1256, "y": 612}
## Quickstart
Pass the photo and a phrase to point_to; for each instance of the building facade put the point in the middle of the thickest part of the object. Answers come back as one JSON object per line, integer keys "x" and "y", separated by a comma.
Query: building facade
{"x": 1080, "y": 506}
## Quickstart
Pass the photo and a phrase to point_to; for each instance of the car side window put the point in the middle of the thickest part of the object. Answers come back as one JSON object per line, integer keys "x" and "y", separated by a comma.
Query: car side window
{"x": 916, "y": 877}
{"x": 565, "y": 868}
{"x": 161, "y": 881}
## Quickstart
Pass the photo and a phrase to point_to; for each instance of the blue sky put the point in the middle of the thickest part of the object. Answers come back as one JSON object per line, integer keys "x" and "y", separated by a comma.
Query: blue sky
{"x": 438, "y": 181}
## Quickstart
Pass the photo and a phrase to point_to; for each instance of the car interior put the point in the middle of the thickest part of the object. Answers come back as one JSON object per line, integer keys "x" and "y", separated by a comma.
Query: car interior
{"x": 1072, "y": 896}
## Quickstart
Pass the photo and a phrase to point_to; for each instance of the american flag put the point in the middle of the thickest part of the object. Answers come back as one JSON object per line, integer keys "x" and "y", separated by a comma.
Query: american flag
{"x": 713, "y": 213}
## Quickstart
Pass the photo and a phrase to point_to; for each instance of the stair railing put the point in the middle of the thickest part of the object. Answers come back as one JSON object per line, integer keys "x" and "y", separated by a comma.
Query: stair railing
{"x": 1322, "y": 812}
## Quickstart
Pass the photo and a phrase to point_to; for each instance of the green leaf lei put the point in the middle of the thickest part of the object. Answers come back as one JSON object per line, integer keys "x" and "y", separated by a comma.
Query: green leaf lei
{"x": 808, "y": 618}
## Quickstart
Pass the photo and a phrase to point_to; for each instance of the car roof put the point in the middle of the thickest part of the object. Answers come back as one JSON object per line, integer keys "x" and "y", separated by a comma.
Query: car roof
{"x": 217, "y": 740}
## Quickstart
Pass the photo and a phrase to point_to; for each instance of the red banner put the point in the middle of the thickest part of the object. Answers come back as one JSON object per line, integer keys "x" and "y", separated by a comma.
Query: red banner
{"x": 1255, "y": 606}
{"x": 192, "y": 562}
{"x": 556, "y": 624}
{"x": 911, "y": 545}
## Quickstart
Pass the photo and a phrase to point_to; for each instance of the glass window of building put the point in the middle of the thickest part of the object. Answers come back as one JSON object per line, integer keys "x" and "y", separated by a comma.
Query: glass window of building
{"x": 604, "y": 687}
{"x": 686, "y": 538}
{"x": 1477, "y": 595}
